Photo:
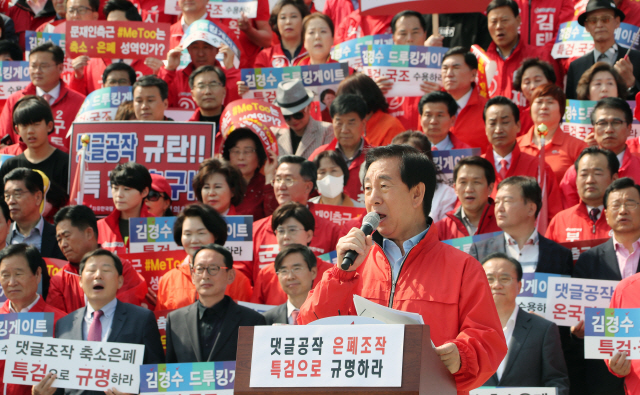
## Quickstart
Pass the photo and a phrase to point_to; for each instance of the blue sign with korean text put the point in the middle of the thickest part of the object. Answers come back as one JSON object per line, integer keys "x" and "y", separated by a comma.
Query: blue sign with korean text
{"x": 151, "y": 234}
{"x": 446, "y": 160}
{"x": 349, "y": 51}
{"x": 196, "y": 377}
{"x": 240, "y": 236}
{"x": 28, "y": 324}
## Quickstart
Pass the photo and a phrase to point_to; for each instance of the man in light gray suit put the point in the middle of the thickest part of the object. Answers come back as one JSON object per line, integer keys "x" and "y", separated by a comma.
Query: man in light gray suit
{"x": 304, "y": 134}
{"x": 534, "y": 357}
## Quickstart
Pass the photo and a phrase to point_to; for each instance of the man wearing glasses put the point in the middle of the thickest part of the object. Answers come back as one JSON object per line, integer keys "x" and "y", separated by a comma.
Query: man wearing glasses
{"x": 611, "y": 119}
{"x": 207, "y": 330}
{"x": 601, "y": 18}
{"x": 535, "y": 355}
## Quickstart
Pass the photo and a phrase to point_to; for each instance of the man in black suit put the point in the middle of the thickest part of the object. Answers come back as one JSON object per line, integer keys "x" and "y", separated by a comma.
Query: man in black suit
{"x": 104, "y": 318}
{"x": 207, "y": 330}
{"x": 24, "y": 194}
{"x": 518, "y": 202}
{"x": 534, "y": 357}
{"x": 296, "y": 268}
{"x": 601, "y": 18}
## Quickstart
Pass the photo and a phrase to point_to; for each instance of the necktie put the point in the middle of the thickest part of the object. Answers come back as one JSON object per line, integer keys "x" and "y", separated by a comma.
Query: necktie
{"x": 294, "y": 316}
{"x": 593, "y": 214}
{"x": 602, "y": 58}
{"x": 503, "y": 168}
{"x": 434, "y": 148}
{"x": 95, "y": 329}
{"x": 47, "y": 97}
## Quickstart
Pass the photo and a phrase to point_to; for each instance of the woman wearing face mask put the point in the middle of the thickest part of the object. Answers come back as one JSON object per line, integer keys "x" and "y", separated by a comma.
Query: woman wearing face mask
{"x": 333, "y": 175}
{"x": 197, "y": 225}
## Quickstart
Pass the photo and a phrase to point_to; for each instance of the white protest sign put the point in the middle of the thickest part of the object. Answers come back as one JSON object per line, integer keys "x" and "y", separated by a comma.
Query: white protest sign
{"x": 78, "y": 364}
{"x": 514, "y": 391}
{"x": 322, "y": 356}
{"x": 567, "y": 298}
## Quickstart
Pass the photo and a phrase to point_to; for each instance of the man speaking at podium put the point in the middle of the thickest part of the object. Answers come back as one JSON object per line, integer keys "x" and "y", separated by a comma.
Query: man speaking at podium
{"x": 407, "y": 268}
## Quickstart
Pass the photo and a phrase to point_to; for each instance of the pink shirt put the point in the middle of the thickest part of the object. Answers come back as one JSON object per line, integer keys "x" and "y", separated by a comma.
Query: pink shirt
{"x": 628, "y": 263}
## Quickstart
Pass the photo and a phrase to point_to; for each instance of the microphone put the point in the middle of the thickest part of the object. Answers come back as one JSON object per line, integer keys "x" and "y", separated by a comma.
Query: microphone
{"x": 369, "y": 224}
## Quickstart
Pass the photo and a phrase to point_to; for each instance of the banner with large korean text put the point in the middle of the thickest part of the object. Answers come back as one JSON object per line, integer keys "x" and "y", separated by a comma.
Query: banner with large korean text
{"x": 209, "y": 32}
{"x": 446, "y": 160}
{"x": 117, "y": 40}
{"x": 349, "y": 51}
{"x": 102, "y": 104}
{"x": 262, "y": 83}
{"x": 338, "y": 214}
{"x": 220, "y": 8}
{"x": 33, "y": 39}
{"x": 171, "y": 149}
{"x": 152, "y": 234}
{"x": 464, "y": 243}
{"x": 240, "y": 236}
{"x": 153, "y": 265}
{"x": 323, "y": 356}
{"x": 26, "y": 324}
{"x": 406, "y": 65}
{"x": 202, "y": 378}
{"x": 258, "y": 116}
{"x": 514, "y": 391}
{"x": 78, "y": 364}
{"x": 14, "y": 77}
{"x": 574, "y": 41}
{"x": 609, "y": 331}
{"x": 577, "y": 119}
{"x": 533, "y": 295}
{"x": 567, "y": 298}
{"x": 579, "y": 246}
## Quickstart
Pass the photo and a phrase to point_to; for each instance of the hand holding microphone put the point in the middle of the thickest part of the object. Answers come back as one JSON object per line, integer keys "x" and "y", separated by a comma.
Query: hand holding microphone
{"x": 354, "y": 247}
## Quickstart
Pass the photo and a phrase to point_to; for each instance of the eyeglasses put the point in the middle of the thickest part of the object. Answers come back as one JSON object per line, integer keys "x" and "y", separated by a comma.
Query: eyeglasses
{"x": 285, "y": 272}
{"x": 504, "y": 280}
{"x": 297, "y": 116}
{"x": 245, "y": 152}
{"x": 212, "y": 270}
{"x": 17, "y": 195}
{"x": 41, "y": 67}
{"x": 154, "y": 196}
{"x": 212, "y": 85}
{"x": 78, "y": 10}
{"x": 292, "y": 230}
{"x": 615, "y": 124}
{"x": 595, "y": 19}
{"x": 120, "y": 82}
{"x": 629, "y": 205}
{"x": 288, "y": 181}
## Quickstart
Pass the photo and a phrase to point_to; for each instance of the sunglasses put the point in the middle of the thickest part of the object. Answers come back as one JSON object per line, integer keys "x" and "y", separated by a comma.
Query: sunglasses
{"x": 154, "y": 196}
{"x": 297, "y": 116}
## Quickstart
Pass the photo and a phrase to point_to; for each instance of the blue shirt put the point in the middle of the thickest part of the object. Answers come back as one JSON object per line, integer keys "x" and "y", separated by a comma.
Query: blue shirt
{"x": 395, "y": 255}
{"x": 108, "y": 311}
{"x": 34, "y": 238}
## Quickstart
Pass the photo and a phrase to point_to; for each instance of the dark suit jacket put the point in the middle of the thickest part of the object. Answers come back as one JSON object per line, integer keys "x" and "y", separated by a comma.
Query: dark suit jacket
{"x": 552, "y": 258}
{"x": 183, "y": 342}
{"x": 131, "y": 324}
{"x": 582, "y": 64}
{"x": 277, "y": 315}
{"x": 535, "y": 356}
{"x": 49, "y": 247}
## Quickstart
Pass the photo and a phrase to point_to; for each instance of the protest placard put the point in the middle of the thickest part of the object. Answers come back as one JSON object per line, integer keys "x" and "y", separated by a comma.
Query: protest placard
{"x": 262, "y": 83}
{"x": 239, "y": 236}
{"x": 153, "y": 265}
{"x": 161, "y": 321}
{"x": 33, "y": 39}
{"x": 171, "y": 149}
{"x": 209, "y": 32}
{"x": 533, "y": 295}
{"x": 568, "y": 297}
{"x": 514, "y": 391}
{"x": 257, "y": 307}
{"x": 577, "y": 119}
{"x": 15, "y": 77}
{"x": 446, "y": 160}
{"x": 574, "y": 41}
{"x": 256, "y": 115}
{"x": 464, "y": 243}
{"x": 117, "y": 40}
{"x": 202, "y": 378}
{"x": 609, "y": 331}
{"x": 152, "y": 234}
{"x": 220, "y": 8}
{"x": 338, "y": 214}
{"x": 84, "y": 365}
{"x": 349, "y": 51}
{"x": 27, "y": 324}
{"x": 323, "y": 356}
{"x": 102, "y": 104}
{"x": 580, "y": 246}
{"x": 406, "y": 65}
{"x": 487, "y": 70}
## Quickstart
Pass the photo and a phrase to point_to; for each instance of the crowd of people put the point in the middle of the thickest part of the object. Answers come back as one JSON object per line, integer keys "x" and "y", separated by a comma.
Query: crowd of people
{"x": 356, "y": 147}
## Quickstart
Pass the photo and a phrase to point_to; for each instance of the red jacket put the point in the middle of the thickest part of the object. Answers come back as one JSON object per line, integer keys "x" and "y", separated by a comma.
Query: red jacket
{"x": 452, "y": 227}
{"x": 574, "y": 224}
{"x": 40, "y": 307}
{"x": 180, "y": 92}
{"x": 274, "y": 57}
{"x": 526, "y": 165}
{"x": 353, "y": 189}
{"x": 457, "y": 143}
{"x": 337, "y": 10}
{"x": 109, "y": 236}
{"x": 405, "y": 110}
{"x": 64, "y": 109}
{"x": 545, "y": 17}
{"x": 630, "y": 167}
{"x": 24, "y": 19}
{"x": 356, "y": 25}
{"x": 267, "y": 289}
{"x": 265, "y": 244}
{"x": 92, "y": 79}
{"x": 66, "y": 294}
{"x": 443, "y": 284}
{"x": 259, "y": 200}
{"x": 152, "y": 11}
{"x": 468, "y": 126}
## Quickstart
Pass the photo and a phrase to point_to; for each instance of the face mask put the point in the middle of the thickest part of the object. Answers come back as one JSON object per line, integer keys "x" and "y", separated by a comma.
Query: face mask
{"x": 331, "y": 186}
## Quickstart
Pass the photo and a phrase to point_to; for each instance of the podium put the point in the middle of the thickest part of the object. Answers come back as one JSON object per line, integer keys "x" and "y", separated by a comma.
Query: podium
{"x": 422, "y": 371}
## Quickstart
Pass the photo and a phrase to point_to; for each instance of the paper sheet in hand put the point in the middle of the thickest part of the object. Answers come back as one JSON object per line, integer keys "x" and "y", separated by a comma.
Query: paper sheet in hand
{"x": 366, "y": 308}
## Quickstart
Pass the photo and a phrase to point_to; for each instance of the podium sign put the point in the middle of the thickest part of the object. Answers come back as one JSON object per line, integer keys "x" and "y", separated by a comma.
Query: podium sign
{"x": 327, "y": 356}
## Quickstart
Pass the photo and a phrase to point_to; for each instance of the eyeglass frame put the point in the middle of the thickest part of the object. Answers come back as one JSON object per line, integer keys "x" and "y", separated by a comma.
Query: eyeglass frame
{"x": 208, "y": 269}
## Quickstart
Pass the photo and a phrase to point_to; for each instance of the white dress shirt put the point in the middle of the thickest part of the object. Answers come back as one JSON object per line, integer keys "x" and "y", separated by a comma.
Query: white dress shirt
{"x": 528, "y": 255}
{"x": 26, "y": 309}
{"x": 508, "y": 334}
{"x": 290, "y": 309}
{"x": 462, "y": 102}
{"x": 55, "y": 92}
{"x": 497, "y": 158}
{"x": 610, "y": 55}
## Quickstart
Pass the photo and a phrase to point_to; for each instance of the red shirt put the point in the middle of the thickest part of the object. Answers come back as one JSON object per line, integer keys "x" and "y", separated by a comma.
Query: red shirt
{"x": 574, "y": 224}
{"x": 92, "y": 79}
{"x": 469, "y": 126}
{"x": 40, "y": 307}
{"x": 452, "y": 227}
{"x": 109, "y": 236}
{"x": 24, "y": 19}
{"x": 546, "y": 17}
{"x": 457, "y": 143}
{"x": 66, "y": 294}
{"x": 405, "y": 110}
{"x": 64, "y": 109}
{"x": 152, "y": 11}
{"x": 274, "y": 57}
{"x": 526, "y": 122}
{"x": 446, "y": 286}
{"x": 337, "y": 10}
{"x": 267, "y": 289}
{"x": 381, "y": 128}
{"x": 259, "y": 200}
{"x": 356, "y": 25}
